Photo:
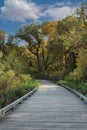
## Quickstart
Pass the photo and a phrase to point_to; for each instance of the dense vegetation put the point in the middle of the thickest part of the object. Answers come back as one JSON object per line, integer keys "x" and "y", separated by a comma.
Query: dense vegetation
{"x": 14, "y": 79}
{"x": 54, "y": 50}
{"x": 75, "y": 84}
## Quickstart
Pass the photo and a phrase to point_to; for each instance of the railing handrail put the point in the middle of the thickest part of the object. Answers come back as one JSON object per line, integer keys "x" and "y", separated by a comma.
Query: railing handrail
{"x": 15, "y": 103}
{"x": 84, "y": 98}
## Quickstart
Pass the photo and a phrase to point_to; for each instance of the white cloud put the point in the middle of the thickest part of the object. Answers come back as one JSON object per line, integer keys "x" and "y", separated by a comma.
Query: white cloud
{"x": 20, "y": 10}
{"x": 61, "y": 4}
{"x": 60, "y": 11}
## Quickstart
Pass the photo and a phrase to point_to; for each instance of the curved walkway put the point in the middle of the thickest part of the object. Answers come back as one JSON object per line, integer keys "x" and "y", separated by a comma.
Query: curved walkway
{"x": 51, "y": 108}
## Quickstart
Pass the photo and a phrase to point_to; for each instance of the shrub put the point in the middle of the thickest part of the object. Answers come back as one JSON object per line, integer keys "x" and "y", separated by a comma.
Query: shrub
{"x": 75, "y": 84}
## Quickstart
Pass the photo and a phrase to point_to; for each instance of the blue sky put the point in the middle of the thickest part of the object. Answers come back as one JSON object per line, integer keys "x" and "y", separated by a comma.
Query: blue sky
{"x": 16, "y": 13}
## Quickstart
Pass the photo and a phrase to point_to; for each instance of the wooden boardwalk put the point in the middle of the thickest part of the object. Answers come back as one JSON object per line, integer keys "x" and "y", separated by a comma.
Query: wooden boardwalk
{"x": 51, "y": 108}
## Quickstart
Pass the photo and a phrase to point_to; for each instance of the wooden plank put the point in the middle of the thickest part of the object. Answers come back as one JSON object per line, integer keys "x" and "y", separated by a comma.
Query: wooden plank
{"x": 51, "y": 108}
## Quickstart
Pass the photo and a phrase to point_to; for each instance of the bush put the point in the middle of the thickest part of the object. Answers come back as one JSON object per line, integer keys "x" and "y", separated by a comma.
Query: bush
{"x": 75, "y": 84}
{"x": 10, "y": 95}
{"x": 14, "y": 83}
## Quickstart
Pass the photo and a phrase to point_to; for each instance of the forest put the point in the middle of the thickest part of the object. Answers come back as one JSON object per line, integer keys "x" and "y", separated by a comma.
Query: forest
{"x": 53, "y": 50}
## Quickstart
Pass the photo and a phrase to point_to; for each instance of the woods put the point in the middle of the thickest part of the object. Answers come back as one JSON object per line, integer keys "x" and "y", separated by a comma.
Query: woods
{"x": 57, "y": 46}
{"x": 55, "y": 50}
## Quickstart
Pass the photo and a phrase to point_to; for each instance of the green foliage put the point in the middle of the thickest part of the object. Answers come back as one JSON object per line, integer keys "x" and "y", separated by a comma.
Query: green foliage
{"x": 14, "y": 83}
{"x": 56, "y": 47}
{"x": 75, "y": 84}
{"x": 17, "y": 91}
{"x": 16, "y": 62}
{"x": 80, "y": 72}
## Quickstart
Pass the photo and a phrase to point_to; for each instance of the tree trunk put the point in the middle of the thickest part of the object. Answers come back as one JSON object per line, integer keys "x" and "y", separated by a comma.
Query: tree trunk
{"x": 38, "y": 61}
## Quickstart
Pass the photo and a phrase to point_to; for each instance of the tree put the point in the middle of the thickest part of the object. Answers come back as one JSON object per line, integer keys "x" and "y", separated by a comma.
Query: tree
{"x": 33, "y": 36}
{"x": 81, "y": 12}
{"x": 71, "y": 31}
{"x": 50, "y": 48}
{"x": 40, "y": 39}
{"x": 2, "y": 40}
{"x": 80, "y": 72}
{"x": 16, "y": 62}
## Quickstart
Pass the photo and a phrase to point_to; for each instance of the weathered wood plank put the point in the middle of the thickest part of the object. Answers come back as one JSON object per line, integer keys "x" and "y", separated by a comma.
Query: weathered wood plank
{"x": 50, "y": 108}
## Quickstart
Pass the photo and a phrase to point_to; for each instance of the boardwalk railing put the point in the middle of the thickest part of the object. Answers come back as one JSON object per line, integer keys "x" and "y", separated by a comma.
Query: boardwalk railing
{"x": 13, "y": 105}
{"x": 84, "y": 98}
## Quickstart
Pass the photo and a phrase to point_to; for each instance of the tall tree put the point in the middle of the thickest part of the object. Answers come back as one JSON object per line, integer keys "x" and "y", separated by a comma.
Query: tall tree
{"x": 32, "y": 35}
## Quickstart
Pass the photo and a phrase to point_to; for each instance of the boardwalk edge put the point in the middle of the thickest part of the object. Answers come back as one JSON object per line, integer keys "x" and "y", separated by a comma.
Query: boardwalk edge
{"x": 81, "y": 96}
{"x": 13, "y": 105}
